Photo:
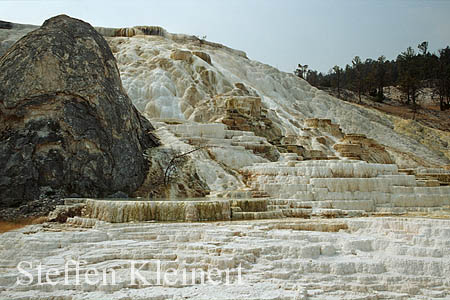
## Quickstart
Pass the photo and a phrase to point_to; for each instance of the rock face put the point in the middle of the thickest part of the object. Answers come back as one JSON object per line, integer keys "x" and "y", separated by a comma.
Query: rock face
{"x": 66, "y": 124}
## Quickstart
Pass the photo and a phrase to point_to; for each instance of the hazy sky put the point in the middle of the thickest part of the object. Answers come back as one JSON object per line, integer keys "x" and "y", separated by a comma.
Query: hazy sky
{"x": 281, "y": 33}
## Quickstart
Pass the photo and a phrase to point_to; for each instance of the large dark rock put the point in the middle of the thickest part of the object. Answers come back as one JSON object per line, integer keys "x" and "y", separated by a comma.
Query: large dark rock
{"x": 66, "y": 124}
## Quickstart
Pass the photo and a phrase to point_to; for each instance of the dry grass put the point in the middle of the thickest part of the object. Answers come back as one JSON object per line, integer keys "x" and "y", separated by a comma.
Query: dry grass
{"x": 428, "y": 113}
{"x": 8, "y": 226}
{"x": 429, "y": 116}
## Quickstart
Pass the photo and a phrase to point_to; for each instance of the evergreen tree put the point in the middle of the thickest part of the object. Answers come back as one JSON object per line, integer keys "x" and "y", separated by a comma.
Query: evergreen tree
{"x": 380, "y": 77}
{"x": 443, "y": 79}
{"x": 337, "y": 71}
{"x": 409, "y": 81}
{"x": 423, "y": 47}
{"x": 410, "y": 72}
{"x": 359, "y": 80}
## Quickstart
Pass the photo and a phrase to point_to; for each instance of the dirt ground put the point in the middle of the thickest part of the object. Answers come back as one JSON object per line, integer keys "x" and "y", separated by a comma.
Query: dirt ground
{"x": 427, "y": 112}
{"x": 8, "y": 226}
{"x": 428, "y": 115}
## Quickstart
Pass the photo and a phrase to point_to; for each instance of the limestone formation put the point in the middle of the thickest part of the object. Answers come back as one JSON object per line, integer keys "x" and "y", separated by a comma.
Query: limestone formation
{"x": 385, "y": 258}
{"x": 315, "y": 140}
{"x": 325, "y": 125}
{"x": 182, "y": 55}
{"x": 165, "y": 88}
{"x": 63, "y": 212}
{"x": 358, "y": 146}
{"x": 132, "y": 31}
{"x": 313, "y": 186}
{"x": 217, "y": 136}
{"x": 343, "y": 187}
{"x": 164, "y": 210}
{"x": 66, "y": 123}
{"x": 139, "y": 211}
{"x": 195, "y": 92}
{"x": 203, "y": 55}
{"x": 241, "y": 110}
{"x": 262, "y": 143}
{"x": 321, "y": 139}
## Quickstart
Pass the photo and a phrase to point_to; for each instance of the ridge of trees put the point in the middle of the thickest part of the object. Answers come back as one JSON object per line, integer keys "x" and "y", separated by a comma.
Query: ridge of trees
{"x": 410, "y": 71}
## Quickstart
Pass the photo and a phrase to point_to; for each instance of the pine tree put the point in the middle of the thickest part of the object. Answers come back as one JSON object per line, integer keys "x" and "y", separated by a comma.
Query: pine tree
{"x": 443, "y": 79}
{"x": 409, "y": 81}
{"x": 337, "y": 71}
{"x": 359, "y": 80}
{"x": 380, "y": 77}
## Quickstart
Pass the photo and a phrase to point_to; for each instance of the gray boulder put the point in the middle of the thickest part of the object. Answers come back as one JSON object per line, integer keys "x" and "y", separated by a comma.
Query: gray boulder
{"x": 66, "y": 123}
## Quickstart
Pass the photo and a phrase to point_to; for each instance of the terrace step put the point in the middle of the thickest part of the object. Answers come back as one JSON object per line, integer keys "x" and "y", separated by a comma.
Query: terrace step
{"x": 276, "y": 214}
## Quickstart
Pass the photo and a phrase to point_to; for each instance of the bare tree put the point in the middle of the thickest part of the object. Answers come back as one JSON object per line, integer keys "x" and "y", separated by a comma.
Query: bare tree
{"x": 301, "y": 71}
{"x": 179, "y": 160}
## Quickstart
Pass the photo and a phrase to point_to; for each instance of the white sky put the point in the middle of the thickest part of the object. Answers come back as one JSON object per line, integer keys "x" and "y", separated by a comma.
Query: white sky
{"x": 282, "y": 33}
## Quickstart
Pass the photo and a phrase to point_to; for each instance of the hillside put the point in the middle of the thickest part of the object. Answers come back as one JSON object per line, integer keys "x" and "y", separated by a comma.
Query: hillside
{"x": 157, "y": 158}
{"x": 180, "y": 77}
{"x": 427, "y": 112}
{"x": 184, "y": 88}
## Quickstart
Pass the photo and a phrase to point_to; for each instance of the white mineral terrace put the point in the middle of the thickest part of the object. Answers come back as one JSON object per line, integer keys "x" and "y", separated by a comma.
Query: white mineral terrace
{"x": 345, "y": 185}
{"x": 360, "y": 258}
{"x": 263, "y": 232}
{"x": 295, "y": 185}
{"x": 164, "y": 85}
{"x": 128, "y": 211}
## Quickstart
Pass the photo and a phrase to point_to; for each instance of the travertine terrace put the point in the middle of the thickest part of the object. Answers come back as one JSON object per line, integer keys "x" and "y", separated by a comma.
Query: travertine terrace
{"x": 308, "y": 197}
{"x": 386, "y": 258}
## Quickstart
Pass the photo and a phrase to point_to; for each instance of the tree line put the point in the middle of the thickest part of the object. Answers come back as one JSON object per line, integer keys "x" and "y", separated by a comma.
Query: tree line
{"x": 411, "y": 71}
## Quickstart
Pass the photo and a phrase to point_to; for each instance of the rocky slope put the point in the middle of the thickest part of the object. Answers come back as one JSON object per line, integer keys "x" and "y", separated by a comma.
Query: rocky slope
{"x": 181, "y": 82}
{"x": 66, "y": 123}
{"x": 427, "y": 113}
{"x": 167, "y": 77}
{"x": 248, "y": 131}
{"x": 173, "y": 76}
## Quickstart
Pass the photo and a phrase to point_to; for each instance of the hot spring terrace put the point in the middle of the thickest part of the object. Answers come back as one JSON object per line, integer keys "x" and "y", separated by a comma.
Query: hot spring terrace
{"x": 289, "y": 187}
{"x": 169, "y": 210}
